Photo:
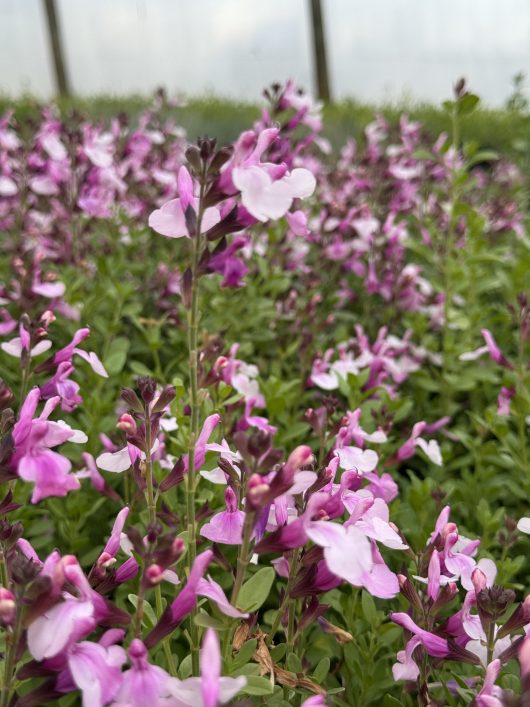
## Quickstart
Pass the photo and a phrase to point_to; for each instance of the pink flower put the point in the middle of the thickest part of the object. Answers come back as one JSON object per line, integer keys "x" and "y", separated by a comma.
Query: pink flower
{"x": 33, "y": 458}
{"x": 363, "y": 461}
{"x": 96, "y": 671}
{"x": 267, "y": 199}
{"x": 433, "y": 644}
{"x": 183, "y": 604}
{"x": 406, "y": 667}
{"x": 143, "y": 684}
{"x": 201, "y": 447}
{"x": 210, "y": 689}
{"x": 490, "y": 695}
{"x": 170, "y": 219}
{"x": 213, "y": 591}
{"x": 430, "y": 448}
{"x": 226, "y": 527}
{"x": 504, "y": 401}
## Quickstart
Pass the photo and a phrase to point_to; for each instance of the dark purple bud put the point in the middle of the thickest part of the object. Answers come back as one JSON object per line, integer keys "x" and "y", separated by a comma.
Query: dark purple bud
{"x": 23, "y": 571}
{"x": 147, "y": 388}
{"x": 519, "y": 618}
{"x": 132, "y": 400}
{"x": 136, "y": 539}
{"x": 166, "y": 397}
{"x": 493, "y": 602}
{"x": 191, "y": 220}
{"x": 206, "y": 147}
{"x": 8, "y": 505}
{"x": 220, "y": 158}
{"x": 228, "y": 224}
{"x": 409, "y": 592}
{"x": 258, "y": 443}
{"x": 153, "y": 532}
{"x": 175, "y": 476}
{"x": 193, "y": 156}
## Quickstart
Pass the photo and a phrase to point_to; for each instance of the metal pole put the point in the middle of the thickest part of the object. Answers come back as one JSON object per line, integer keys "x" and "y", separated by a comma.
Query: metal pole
{"x": 319, "y": 51}
{"x": 54, "y": 34}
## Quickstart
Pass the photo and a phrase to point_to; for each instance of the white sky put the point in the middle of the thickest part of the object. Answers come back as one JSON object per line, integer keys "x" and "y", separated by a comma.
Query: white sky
{"x": 378, "y": 49}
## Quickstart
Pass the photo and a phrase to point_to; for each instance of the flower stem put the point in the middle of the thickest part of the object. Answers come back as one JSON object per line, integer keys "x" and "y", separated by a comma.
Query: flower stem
{"x": 12, "y": 641}
{"x": 151, "y": 508}
{"x": 243, "y": 557}
{"x": 293, "y": 569}
{"x": 193, "y": 324}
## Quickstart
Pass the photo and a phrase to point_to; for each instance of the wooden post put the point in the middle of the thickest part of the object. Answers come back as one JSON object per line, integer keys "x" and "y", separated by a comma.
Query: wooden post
{"x": 54, "y": 34}
{"x": 319, "y": 52}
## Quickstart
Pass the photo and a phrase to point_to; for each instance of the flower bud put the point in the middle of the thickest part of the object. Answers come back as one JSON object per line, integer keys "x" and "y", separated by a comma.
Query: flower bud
{"x": 165, "y": 398}
{"x": 127, "y": 424}
{"x": 6, "y": 395}
{"x": 409, "y": 592}
{"x": 132, "y": 400}
{"x": 154, "y": 574}
{"x": 147, "y": 388}
{"x": 7, "y": 607}
{"x": 257, "y": 489}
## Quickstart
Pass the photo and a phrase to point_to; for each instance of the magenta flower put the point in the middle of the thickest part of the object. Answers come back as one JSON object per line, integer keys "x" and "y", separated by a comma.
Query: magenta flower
{"x": 213, "y": 591}
{"x": 201, "y": 447}
{"x": 183, "y": 604}
{"x": 406, "y": 668}
{"x": 170, "y": 219}
{"x": 504, "y": 400}
{"x": 431, "y": 448}
{"x": 490, "y": 695}
{"x": 226, "y": 527}
{"x": 95, "y": 670}
{"x": 33, "y": 457}
{"x": 210, "y": 689}
{"x": 143, "y": 684}
{"x": 490, "y": 348}
{"x": 433, "y": 644}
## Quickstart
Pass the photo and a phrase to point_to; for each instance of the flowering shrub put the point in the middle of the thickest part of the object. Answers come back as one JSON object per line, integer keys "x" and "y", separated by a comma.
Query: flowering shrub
{"x": 293, "y": 466}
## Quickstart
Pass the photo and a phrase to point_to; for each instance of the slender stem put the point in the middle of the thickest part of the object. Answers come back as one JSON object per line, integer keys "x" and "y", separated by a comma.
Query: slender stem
{"x": 25, "y": 378}
{"x": 166, "y": 642}
{"x": 293, "y": 570}
{"x": 12, "y": 641}
{"x": 521, "y": 417}
{"x": 151, "y": 507}
{"x": 243, "y": 557}
{"x": 138, "y": 616}
{"x": 193, "y": 324}
{"x": 491, "y": 642}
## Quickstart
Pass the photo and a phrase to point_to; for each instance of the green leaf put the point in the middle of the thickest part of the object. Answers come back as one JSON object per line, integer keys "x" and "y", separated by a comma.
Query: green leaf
{"x": 244, "y": 654}
{"x": 467, "y": 104}
{"x": 206, "y": 621}
{"x": 322, "y": 669}
{"x": 390, "y": 701}
{"x": 256, "y": 590}
{"x": 257, "y": 686}
{"x": 185, "y": 667}
{"x": 278, "y": 652}
{"x": 293, "y": 663}
{"x": 148, "y": 609}
{"x": 115, "y": 360}
{"x": 369, "y": 610}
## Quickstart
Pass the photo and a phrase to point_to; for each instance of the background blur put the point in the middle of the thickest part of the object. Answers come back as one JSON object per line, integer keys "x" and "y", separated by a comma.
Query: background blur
{"x": 378, "y": 50}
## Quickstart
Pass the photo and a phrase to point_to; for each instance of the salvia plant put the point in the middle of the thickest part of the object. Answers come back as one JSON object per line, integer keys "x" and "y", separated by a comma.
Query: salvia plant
{"x": 264, "y": 413}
